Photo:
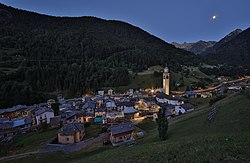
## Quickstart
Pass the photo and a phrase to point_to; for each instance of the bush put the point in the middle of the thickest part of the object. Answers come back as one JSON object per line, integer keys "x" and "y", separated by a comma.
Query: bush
{"x": 103, "y": 129}
{"x": 217, "y": 98}
{"x": 86, "y": 124}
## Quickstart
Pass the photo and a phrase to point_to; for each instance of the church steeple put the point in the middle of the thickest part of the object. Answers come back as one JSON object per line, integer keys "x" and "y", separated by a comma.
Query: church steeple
{"x": 166, "y": 76}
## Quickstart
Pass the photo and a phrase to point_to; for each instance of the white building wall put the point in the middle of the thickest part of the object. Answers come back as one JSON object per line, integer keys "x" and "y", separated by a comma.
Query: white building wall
{"x": 43, "y": 116}
{"x": 179, "y": 108}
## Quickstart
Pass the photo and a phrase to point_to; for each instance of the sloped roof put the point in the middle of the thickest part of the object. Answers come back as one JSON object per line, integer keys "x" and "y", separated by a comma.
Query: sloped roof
{"x": 110, "y": 103}
{"x": 102, "y": 109}
{"x": 13, "y": 109}
{"x": 55, "y": 120}
{"x": 129, "y": 110}
{"x": 2, "y": 120}
{"x": 18, "y": 122}
{"x": 71, "y": 128}
{"x": 6, "y": 124}
{"x": 190, "y": 93}
{"x": 99, "y": 98}
{"x": 126, "y": 103}
{"x": 72, "y": 114}
{"x": 168, "y": 113}
{"x": 121, "y": 128}
{"x": 43, "y": 110}
{"x": 169, "y": 97}
{"x": 89, "y": 104}
{"x": 166, "y": 106}
{"x": 187, "y": 106}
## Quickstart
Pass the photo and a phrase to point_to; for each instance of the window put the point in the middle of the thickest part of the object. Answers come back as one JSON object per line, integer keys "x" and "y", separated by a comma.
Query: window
{"x": 67, "y": 139}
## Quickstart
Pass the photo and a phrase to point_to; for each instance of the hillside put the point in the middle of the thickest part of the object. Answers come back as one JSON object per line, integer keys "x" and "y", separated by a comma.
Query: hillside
{"x": 222, "y": 42}
{"x": 234, "y": 50}
{"x": 198, "y": 47}
{"x": 190, "y": 138}
{"x": 41, "y": 55}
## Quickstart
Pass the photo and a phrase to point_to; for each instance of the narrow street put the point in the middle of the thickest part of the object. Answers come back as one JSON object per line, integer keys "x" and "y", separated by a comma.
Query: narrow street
{"x": 59, "y": 147}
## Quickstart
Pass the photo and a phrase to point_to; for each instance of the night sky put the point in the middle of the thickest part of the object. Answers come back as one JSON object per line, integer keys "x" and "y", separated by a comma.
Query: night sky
{"x": 170, "y": 20}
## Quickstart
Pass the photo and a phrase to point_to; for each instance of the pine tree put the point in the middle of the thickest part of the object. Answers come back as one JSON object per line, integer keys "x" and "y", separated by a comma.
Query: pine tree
{"x": 162, "y": 124}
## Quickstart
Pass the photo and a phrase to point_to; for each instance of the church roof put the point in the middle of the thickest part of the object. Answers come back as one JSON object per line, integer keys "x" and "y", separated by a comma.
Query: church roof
{"x": 169, "y": 97}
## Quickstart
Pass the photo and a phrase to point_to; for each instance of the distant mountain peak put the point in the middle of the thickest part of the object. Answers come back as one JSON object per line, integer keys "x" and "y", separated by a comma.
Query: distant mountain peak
{"x": 233, "y": 34}
{"x": 195, "y": 47}
{"x": 234, "y": 48}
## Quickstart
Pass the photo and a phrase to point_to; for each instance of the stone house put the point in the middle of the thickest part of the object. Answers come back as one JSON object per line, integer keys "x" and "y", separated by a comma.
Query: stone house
{"x": 71, "y": 133}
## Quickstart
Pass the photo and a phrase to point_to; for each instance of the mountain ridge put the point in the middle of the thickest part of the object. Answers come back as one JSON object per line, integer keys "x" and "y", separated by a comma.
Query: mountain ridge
{"x": 233, "y": 49}
{"x": 198, "y": 47}
{"x": 222, "y": 41}
{"x": 41, "y": 53}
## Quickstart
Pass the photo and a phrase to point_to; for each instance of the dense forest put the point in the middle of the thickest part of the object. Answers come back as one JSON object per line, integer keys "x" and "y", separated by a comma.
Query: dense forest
{"x": 234, "y": 49}
{"x": 41, "y": 54}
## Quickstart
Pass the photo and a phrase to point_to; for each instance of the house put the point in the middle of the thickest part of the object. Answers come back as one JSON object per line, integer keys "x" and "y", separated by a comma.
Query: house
{"x": 74, "y": 115}
{"x": 168, "y": 99}
{"x": 99, "y": 112}
{"x": 43, "y": 115}
{"x": 55, "y": 121}
{"x": 206, "y": 95}
{"x": 114, "y": 117}
{"x": 110, "y": 92}
{"x": 71, "y": 133}
{"x": 86, "y": 98}
{"x": 122, "y": 133}
{"x": 5, "y": 123}
{"x": 65, "y": 106}
{"x": 101, "y": 93}
{"x": 130, "y": 92}
{"x": 111, "y": 106}
{"x": 187, "y": 107}
{"x": 168, "y": 114}
{"x": 89, "y": 107}
{"x": 14, "y": 112}
{"x": 234, "y": 88}
{"x": 130, "y": 113}
{"x": 10, "y": 127}
{"x": 125, "y": 105}
{"x": 22, "y": 122}
{"x": 169, "y": 111}
{"x": 99, "y": 101}
{"x": 50, "y": 102}
{"x": 191, "y": 94}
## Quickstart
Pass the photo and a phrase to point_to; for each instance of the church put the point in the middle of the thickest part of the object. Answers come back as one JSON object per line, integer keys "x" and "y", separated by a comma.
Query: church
{"x": 166, "y": 83}
{"x": 164, "y": 99}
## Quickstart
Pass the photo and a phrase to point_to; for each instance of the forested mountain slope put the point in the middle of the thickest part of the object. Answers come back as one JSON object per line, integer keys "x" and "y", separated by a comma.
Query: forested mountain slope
{"x": 40, "y": 53}
{"x": 233, "y": 49}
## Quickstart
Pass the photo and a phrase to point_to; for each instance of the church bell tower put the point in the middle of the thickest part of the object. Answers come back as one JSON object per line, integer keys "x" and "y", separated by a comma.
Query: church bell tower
{"x": 166, "y": 76}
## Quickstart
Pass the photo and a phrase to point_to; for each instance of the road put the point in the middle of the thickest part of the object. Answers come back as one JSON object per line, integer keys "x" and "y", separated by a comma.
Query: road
{"x": 73, "y": 147}
{"x": 59, "y": 147}
{"x": 215, "y": 87}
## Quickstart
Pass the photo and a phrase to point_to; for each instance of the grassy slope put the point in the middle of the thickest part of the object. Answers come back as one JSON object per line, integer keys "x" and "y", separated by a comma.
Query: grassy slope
{"x": 146, "y": 79}
{"x": 194, "y": 138}
{"x": 142, "y": 81}
{"x": 190, "y": 139}
{"x": 30, "y": 142}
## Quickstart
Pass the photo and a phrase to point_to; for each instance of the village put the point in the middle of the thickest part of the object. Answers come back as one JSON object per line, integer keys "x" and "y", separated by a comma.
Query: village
{"x": 116, "y": 114}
